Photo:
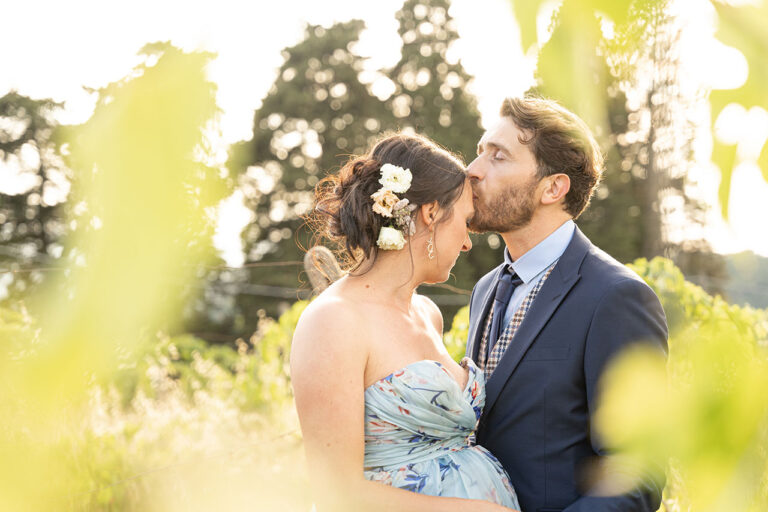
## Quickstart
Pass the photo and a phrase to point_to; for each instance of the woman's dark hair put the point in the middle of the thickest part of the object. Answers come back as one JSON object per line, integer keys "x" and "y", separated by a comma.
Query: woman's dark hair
{"x": 343, "y": 210}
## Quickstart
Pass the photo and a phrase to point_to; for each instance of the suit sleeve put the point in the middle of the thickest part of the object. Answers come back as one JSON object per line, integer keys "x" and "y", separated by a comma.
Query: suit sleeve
{"x": 628, "y": 313}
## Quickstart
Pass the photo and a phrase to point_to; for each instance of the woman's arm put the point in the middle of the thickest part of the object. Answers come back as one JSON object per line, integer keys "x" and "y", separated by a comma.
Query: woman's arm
{"x": 328, "y": 363}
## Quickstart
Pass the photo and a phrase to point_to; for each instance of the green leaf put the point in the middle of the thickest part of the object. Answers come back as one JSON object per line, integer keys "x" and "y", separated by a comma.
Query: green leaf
{"x": 762, "y": 161}
{"x": 569, "y": 69}
{"x": 526, "y": 12}
{"x": 724, "y": 156}
{"x": 742, "y": 27}
{"x": 617, "y": 10}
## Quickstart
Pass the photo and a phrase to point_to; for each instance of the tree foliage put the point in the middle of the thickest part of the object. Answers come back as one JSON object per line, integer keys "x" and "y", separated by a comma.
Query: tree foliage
{"x": 316, "y": 112}
{"x": 626, "y": 82}
{"x": 32, "y": 200}
{"x": 325, "y": 105}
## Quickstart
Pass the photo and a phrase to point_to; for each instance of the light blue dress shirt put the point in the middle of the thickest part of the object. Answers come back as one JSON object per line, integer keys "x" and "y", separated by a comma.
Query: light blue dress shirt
{"x": 531, "y": 265}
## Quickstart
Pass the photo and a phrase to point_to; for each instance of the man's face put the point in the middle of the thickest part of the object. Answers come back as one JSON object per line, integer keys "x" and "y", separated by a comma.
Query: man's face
{"x": 504, "y": 180}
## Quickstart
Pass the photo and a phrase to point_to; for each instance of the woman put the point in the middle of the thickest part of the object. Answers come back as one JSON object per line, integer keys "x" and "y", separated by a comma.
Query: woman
{"x": 375, "y": 387}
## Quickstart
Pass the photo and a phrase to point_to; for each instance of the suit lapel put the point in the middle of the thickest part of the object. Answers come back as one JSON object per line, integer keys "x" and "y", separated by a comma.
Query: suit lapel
{"x": 564, "y": 276}
{"x": 485, "y": 302}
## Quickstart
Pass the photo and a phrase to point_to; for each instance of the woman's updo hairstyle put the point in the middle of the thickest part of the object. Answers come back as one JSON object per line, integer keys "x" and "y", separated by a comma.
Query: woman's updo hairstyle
{"x": 343, "y": 210}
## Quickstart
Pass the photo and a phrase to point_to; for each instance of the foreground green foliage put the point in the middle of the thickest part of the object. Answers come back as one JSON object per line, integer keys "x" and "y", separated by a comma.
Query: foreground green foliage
{"x": 131, "y": 253}
{"x": 576, "y": 39}
{"x": 193, "y": 426}
{"x": 710, "y": 411}
{"x": 185, "y": 425}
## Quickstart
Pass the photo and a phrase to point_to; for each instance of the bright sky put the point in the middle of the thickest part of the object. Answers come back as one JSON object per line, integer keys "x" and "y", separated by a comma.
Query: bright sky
{"x": 54, "y": 48}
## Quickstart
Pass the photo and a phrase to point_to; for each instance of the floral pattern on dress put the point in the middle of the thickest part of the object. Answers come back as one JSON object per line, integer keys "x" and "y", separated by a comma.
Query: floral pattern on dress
{"x": 419, "y": 435}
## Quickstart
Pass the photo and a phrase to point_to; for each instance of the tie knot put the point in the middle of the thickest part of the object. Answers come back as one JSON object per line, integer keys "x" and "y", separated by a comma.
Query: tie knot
{"x": 508, "y": 274}
{"x": 508, "y": 281}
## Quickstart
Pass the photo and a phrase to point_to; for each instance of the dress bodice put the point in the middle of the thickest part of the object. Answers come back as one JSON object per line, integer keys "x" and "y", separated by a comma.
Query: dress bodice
{"x": 419, "y": 411}
{"x": 419, "y": 434}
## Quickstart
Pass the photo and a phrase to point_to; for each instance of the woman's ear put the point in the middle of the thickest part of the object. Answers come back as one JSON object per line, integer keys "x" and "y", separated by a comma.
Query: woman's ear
{"x": 428, "y": 213}
{"x": 556, "y": 187}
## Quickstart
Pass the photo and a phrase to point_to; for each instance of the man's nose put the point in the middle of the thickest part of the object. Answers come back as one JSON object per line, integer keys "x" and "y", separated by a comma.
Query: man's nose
{"x": 474, "y": 169}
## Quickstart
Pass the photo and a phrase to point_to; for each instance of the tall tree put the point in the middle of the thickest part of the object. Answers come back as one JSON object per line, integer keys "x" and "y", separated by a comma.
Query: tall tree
{"x": 646, "y": 131}
{"x": 431, "y": 98}
{"x": 31, "y": 220}
{"x": 322, "y": 108}
{"x": 431, "y": 89}
{"x": 317, "y": 112}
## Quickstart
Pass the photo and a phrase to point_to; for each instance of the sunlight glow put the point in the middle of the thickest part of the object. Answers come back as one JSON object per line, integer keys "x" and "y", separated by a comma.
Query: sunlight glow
{"x": 235, "y": 216}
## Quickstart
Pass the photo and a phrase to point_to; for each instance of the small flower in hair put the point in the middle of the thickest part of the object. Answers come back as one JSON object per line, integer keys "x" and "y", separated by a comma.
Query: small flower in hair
{"x": 384, "y": 202}
{"x": 390, "y": 239}
{"x": 401, "y": 214}
{"x": 395, "y": 178}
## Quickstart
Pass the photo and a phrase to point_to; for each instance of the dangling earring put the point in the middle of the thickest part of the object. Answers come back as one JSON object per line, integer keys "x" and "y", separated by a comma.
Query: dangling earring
{"x": 430, "y": 247}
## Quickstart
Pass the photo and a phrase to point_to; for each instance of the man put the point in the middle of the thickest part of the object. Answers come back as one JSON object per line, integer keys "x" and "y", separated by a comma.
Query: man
{"x": 545, "y": 323}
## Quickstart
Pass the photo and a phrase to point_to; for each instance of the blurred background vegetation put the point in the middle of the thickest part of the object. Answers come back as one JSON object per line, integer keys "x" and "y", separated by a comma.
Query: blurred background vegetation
{"x": 142, "y": 372}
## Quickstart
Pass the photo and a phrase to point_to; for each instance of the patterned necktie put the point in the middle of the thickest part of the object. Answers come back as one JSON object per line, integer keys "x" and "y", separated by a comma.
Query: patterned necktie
{"x": 506, "y": 285}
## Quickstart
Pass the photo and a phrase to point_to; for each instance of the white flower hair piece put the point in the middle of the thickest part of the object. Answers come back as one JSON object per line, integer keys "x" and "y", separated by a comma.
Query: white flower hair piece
{"x": 390, "y": 239}
{"x": 394, "y": 180}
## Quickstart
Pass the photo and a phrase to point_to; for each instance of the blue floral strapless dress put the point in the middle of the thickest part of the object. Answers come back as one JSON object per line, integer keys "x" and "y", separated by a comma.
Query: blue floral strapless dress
{"x": 419, "y": 432}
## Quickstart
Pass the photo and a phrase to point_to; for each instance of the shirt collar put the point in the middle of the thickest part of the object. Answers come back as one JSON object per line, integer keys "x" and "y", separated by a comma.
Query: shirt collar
{"x": 546, "y": 252}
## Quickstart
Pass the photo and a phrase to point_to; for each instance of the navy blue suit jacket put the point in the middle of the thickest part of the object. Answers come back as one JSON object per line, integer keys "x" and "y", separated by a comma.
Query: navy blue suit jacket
{"x": 539, "y": 399}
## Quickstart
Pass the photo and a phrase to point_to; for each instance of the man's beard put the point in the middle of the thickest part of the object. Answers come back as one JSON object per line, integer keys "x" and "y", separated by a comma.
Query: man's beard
{"x": 508, "y": 210}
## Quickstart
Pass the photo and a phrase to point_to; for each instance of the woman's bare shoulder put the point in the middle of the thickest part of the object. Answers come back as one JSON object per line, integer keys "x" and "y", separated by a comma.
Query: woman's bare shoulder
{"x": 328, "y": 333}
{"x": 330, "y": 312}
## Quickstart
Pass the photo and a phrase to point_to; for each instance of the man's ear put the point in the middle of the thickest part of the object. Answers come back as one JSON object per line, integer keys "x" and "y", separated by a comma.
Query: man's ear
{"x": 555, "y": 189}
{"x": 428, "y": 212}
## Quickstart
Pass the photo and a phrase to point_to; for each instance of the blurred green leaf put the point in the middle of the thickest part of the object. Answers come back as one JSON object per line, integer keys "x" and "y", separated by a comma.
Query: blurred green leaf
{"x": 569, "y": 69}
{"x": 762, "y": 161}
{"x": 742, "y": 27}
{"x": 617, "y": 10}
{"x": 710, "y": 421}
{"x": 724, "y": 156}
{"x": 134, "y": 249}
{"x": 526, "y": 13}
